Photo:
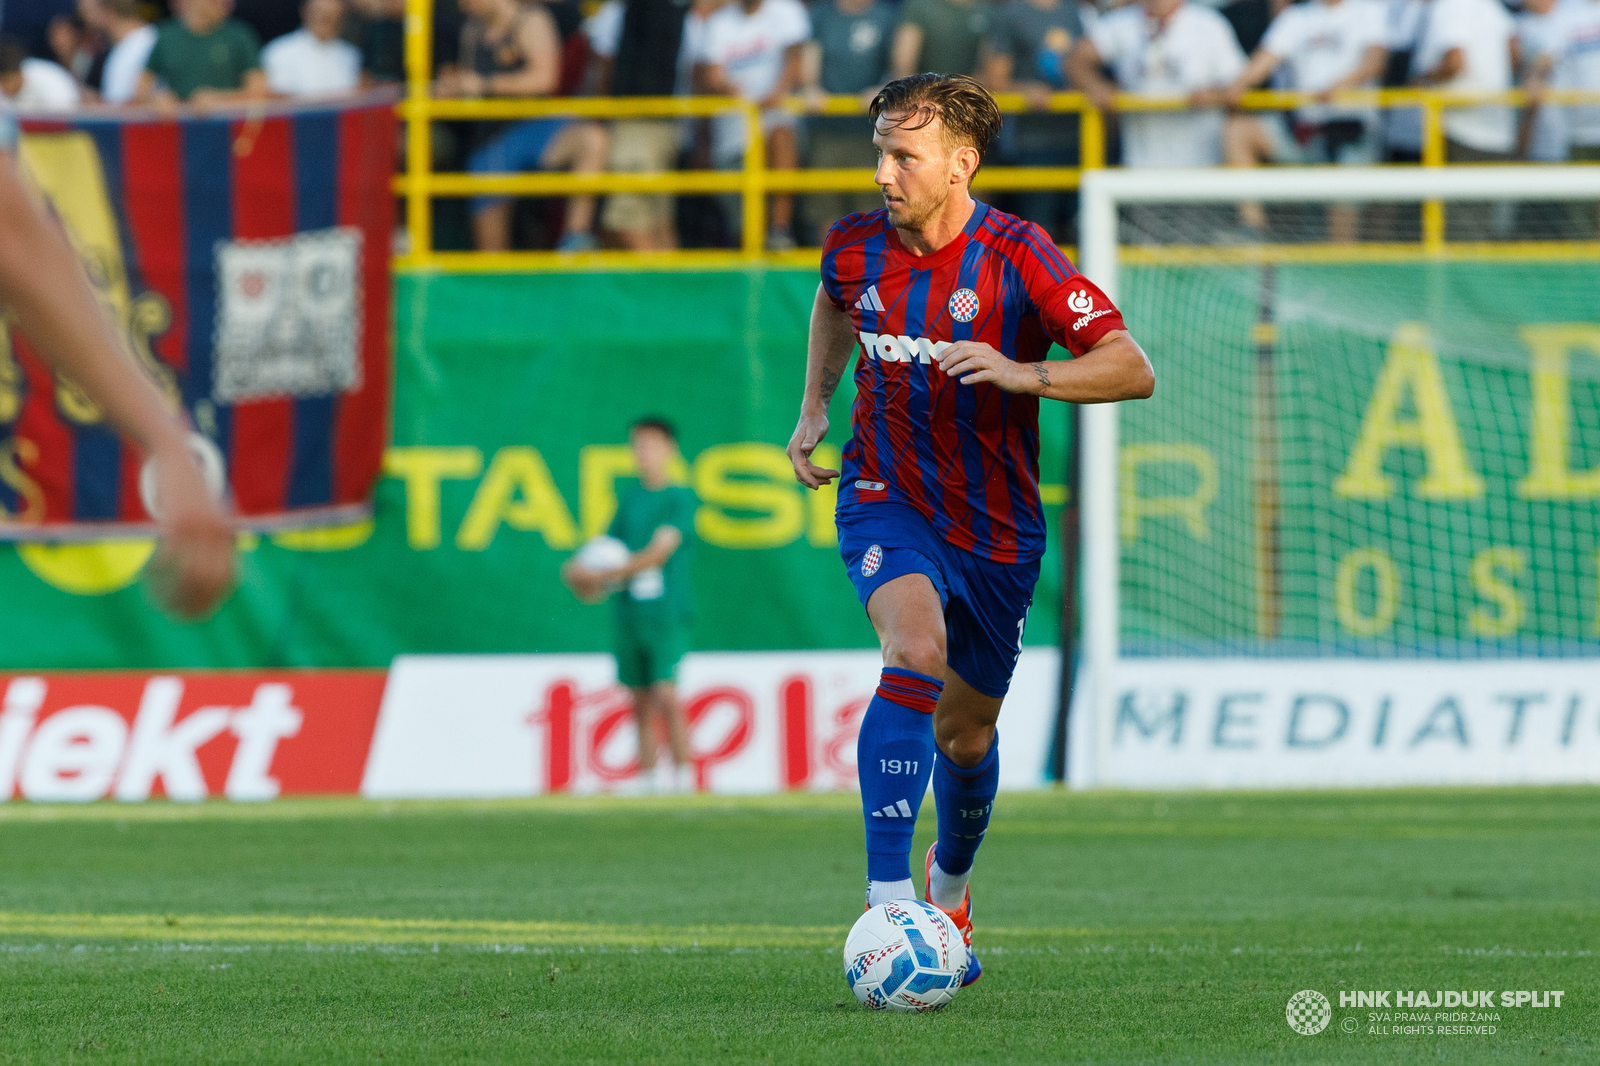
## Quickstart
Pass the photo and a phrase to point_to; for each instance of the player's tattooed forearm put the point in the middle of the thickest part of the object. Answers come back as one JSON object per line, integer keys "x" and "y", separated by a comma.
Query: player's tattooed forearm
{"x": 830, "y": 382}
{"x": 1042, "y": 374}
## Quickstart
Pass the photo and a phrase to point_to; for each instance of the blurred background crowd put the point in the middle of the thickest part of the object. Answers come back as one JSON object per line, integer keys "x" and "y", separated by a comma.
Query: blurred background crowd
{"x": 64, "y": 54}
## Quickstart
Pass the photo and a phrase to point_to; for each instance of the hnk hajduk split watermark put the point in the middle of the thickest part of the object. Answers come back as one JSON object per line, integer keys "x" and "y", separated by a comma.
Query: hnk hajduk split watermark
{"x": 1396, "y": 1012}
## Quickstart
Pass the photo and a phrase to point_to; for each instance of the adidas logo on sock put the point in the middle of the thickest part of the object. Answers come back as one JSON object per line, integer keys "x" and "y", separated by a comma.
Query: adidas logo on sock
{"x": 898, "y": 809}
{"x": 869, "y": 300}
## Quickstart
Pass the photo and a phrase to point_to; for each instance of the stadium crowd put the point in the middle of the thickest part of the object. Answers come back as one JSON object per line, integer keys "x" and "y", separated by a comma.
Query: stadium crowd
{"x": 208, "y": 53}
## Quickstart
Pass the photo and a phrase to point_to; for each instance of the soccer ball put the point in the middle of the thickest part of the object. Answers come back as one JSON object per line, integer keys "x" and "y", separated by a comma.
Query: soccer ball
{"x": 905, "y": 955}
{"x": 602, "y": 553}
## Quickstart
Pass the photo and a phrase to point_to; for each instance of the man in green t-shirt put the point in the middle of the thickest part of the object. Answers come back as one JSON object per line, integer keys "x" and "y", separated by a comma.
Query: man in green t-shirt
{"x": 655, "y": 521}
{"x": 203, "y": 57}
{"x": 939, "y": 35}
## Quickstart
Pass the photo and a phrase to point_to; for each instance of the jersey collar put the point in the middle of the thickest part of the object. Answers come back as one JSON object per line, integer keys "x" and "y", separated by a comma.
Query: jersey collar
{"x": 950, "y": 251}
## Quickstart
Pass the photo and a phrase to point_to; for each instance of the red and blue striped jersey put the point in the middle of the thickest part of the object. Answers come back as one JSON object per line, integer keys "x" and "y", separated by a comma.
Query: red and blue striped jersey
{"x": 966, "y": 456}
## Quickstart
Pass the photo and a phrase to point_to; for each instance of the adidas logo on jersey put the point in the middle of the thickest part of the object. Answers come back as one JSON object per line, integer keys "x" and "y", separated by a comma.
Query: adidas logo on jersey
{"x": 898, "y": 809}
{"x": 869, "y": 300}
{"x": 887, "y": 348}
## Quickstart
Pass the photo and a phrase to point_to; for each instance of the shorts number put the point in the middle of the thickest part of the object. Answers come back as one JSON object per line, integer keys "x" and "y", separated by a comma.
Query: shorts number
{"x": 897, "y": 766}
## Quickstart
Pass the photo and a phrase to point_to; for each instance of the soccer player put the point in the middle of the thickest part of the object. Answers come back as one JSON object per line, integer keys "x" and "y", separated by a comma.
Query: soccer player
{"x": 655, "y": 519}
{"x": 955, "y": 306}
{"x": 44, "y": 288}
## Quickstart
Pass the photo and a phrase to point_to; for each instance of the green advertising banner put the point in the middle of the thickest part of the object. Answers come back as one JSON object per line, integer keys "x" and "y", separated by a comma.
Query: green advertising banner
{"x": 513, "y": 396}
{"x": 1375, "y": 458}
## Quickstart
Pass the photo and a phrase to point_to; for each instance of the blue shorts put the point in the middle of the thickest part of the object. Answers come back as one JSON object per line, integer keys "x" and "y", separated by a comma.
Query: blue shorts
{"x": 985, "y": 603}
{"x": 518, "y": 150}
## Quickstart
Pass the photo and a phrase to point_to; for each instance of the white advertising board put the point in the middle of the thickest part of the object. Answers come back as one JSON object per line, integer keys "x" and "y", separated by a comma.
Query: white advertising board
{"x": 1262, "y": 723}
{"x": 519, "y": 725}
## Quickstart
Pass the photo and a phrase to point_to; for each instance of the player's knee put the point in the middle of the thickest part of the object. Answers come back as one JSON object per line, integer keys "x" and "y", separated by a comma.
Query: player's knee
{"x": 924, "y": 654}
{"x": 965, "y": 745}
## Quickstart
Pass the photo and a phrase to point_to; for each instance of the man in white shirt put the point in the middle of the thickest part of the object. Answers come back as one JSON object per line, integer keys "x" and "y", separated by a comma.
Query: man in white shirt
{"x": 752, "y": 49}
{"x": 1466, "y": 47}
{"x": 1163, "y": 48}
{"x": 30, "y": 84}
{"x": 1323, "y": 47}
{"x": 131, "y": 39}
{"x": 1571, "y": 60}
{"x": 313, "y": 60}
{"x": 1541, "y": 40}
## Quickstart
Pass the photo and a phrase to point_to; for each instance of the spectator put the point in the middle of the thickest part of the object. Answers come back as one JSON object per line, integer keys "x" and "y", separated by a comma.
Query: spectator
{"x": 1574, "y": 63}
{"x": 1466, "y": 47}
{"x": 1542, "y": 133}
{"x": 72, "y": 46}
{"x": 847, "y": 56}
{"x": 1577, "y": 66}
{"x": 1250, "y": 19}
{"x": 377, "y": 28}
{"x": 313, "y": 60}
{"x": 131, "y": 39}
{"x": 30, "y": 84}
{"x": 511, "y": 50}
{"x": 639, "y": 50}
{"x": 205, "y": 57}
{"x": 1322, "y": 47}
{"x": 752, "y": 51}
{"x": 1027, "y": 49}
{"x": 1403, "y": 126}
{"x": 939, "y": 35}
{"x": 1163, "y": 48}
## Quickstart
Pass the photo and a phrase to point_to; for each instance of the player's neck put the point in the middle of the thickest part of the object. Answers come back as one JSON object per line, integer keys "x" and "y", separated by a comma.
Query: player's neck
{"x": 653, "y": 484}
{"x": 940, "y": 230}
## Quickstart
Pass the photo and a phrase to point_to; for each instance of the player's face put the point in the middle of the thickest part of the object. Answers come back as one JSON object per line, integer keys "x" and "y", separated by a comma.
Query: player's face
{"x": 653, "y": 451}
{"x": 914, "y": 170}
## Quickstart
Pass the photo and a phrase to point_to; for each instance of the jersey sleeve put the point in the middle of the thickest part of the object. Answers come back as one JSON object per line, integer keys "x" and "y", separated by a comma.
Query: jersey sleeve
{"x": 1074, "y": 312}
{"x": 830, "y": 265}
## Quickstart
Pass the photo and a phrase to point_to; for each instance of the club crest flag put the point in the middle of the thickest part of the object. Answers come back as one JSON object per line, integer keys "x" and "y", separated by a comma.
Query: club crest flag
{"x": 244, "y": 260}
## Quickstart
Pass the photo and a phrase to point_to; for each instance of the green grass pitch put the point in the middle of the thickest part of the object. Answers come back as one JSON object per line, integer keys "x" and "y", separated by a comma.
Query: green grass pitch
{"x": 1113, "y": 928}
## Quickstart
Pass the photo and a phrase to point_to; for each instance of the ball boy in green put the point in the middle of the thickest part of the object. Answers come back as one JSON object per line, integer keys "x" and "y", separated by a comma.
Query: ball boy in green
{"x": 655, "y": 521}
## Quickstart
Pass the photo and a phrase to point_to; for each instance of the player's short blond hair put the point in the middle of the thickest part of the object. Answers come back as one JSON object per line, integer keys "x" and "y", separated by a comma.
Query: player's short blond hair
{"x": 964, "y": 108}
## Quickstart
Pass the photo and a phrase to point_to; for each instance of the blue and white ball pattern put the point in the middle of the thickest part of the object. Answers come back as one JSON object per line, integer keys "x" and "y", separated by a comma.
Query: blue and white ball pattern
{"x": 906, "y": 956}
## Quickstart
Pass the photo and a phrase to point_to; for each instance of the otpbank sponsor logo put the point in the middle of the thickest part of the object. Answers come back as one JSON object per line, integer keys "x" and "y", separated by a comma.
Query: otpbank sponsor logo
{"x": 185, "y": 736}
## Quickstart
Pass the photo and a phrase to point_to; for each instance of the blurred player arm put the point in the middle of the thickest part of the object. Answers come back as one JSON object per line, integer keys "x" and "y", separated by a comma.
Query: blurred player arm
{"x": 1115, "y": 368}
{"x": 49, "y": 298}
{"x": 828, "y": 349}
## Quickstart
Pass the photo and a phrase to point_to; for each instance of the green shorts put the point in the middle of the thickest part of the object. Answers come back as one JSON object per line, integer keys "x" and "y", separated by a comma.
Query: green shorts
{"x": 648, "y": 650}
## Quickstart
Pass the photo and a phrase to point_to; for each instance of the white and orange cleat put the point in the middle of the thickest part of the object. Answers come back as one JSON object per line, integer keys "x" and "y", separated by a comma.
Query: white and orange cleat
{"x": 961, "y": 915}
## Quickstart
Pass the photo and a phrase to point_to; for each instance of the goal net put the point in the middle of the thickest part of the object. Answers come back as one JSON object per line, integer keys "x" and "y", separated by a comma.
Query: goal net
{"x": 1354, "y": 538}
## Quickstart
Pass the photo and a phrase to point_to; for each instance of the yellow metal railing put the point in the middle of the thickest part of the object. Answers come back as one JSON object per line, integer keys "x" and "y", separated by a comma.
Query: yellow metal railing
{"x": 420, "y": 184}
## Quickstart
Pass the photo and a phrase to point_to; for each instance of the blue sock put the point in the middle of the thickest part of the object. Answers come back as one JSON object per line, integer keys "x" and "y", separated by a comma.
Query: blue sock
{"x": 964, "y": 798}
{"x": 894, "y": 756}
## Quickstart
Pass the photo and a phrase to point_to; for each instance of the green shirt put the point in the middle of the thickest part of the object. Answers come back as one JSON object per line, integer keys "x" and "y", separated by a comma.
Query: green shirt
{"x": 640, "y": 512}
{"x": 219, "y": 60}
{"x": 951, "y": 33}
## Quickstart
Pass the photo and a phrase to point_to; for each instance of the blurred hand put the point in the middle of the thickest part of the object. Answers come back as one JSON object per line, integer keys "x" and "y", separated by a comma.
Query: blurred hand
{"x": 1213, "y": 97}
{"x": 588, "y": 586}
{"x": 193, "y": 568}
{"x": 1036, "y": 94}
{"x": 807, "y": 435}
{"x": 1103, "y": 94}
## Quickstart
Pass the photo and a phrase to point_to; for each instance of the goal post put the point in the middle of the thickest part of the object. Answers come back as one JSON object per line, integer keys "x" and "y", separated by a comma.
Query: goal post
{"x": 1323, "y": 582}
